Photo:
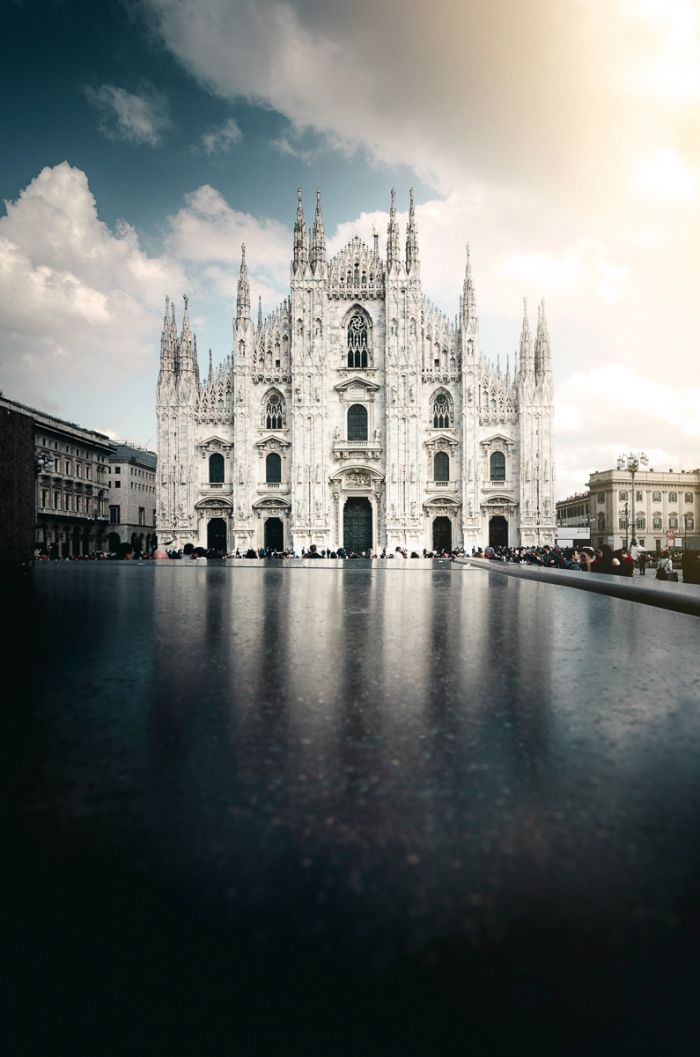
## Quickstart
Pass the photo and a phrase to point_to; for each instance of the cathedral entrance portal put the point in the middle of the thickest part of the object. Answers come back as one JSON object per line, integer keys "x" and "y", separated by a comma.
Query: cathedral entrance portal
{"x": 274, "y": 534}
{"x": 357, "y": 525}
{"x": 498, "y": 532}
{"x": 442, "y": 534}
{"x": 216, "y": 535}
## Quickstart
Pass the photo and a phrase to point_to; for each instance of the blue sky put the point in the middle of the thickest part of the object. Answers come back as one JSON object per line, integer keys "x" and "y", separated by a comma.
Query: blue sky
{"x": 147, "y": 138}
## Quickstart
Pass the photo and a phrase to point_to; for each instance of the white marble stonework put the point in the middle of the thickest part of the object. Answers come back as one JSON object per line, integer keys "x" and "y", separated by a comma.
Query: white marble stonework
{"x": 356, "y": 413}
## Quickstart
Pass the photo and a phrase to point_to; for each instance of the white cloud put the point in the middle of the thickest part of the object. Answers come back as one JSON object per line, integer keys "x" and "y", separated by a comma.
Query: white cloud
{"x": 130, "y": 117}
{"x": 77, "y": 303}
{"x": 220, "y": 139}
{"x": 666, "y": 177}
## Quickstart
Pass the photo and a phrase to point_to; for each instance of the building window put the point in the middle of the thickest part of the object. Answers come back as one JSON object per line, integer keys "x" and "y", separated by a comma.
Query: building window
{"x": 274, "y": 412}
{"x": 117, "y": 469}
{"x": 142, "y": 515}
{"x": 441, "y": 412}
{"x": 689, "y": 523}
{"x": 498, "y": 466}
{"x": 622, "y": 496}
{"x": 601, "y": 497}
{"x": 115, "y": 515}
{"x": 673, "y": 521}
{"x": 638, "y": 497}
{"x": 357, "y": 341}
{"x": 273, "y": 468}
{"x": 622, "y": 523}
{"x": 216, "y": 468}
{"x": 441, "y": 466}
{"x": 688, "y": 497}
{"x": 601, "y": 522}
{"x": 641, "y": 523}
{"x": 117, "y": 484}
{"x": 673, "y": 497}
{"x": 656, "y": 497}
{"x": 357, "y": 422}
{"x": 657, "y": 522}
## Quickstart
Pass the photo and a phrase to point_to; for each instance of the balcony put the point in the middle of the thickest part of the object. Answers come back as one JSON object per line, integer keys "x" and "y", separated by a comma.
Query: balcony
{"x": 281, "y": 487}
{"x": 356, "y": 449}
{"x": 446, "y": 487}
{"x": 217, "y": 487}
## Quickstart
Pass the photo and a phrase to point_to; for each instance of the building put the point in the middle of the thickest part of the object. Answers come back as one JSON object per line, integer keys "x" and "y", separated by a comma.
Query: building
{"x": 132, "y": 498}
{"x": 666, "y": 508}
{"x": 68, "y": 473}
{"x": 574, "y": 520}
{"x": 355, "y": 414}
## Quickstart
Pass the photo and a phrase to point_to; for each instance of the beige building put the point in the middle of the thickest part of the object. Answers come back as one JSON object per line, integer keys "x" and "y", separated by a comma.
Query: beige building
{"x": 70, "y": 483}
{"x": 574, "y": 520}
{"x": 132, "y": 498}
{"x": 666, "y": 508}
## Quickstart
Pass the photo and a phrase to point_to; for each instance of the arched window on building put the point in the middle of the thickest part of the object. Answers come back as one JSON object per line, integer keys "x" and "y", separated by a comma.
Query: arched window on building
{"x": 498, "y": 466}
{"x": 357, "y": 341}
{"x": 441, "y": 466}
{"x": 273, "y": 468}
{"x": 357, "y": 422}
{"x": 274, "y": 411}
{"x": 216, "y": 468}
{"x": 441, "y": 412}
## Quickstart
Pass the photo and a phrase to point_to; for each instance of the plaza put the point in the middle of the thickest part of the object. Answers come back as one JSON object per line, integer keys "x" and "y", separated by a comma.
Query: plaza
{"x": 341, "y": 808}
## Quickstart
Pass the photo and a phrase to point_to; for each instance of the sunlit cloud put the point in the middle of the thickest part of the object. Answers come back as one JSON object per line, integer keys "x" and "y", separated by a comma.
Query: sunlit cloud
{"x": 666, "y": 177}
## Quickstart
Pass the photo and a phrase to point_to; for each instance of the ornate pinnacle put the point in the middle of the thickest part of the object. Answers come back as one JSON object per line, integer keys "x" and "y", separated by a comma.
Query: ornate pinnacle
{"x": 412, "y": 259}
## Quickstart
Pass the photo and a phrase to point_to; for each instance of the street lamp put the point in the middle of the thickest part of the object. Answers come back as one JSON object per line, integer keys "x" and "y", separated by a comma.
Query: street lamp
{"x": 632, "y": 462}
{"x": 43, "y": 463}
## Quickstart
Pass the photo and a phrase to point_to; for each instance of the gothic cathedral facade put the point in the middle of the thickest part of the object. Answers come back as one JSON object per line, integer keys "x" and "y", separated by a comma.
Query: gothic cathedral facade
{"x": 356, "y": 414}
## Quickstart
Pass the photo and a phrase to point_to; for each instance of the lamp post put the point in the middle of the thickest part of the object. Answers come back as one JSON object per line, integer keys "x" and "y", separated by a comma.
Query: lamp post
{"x": 43, "y": 463}
{"x": 632, "y": 462}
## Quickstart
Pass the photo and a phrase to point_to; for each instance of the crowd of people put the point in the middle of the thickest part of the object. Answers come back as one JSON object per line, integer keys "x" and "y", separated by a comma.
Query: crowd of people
{"x": 602, "y": 559}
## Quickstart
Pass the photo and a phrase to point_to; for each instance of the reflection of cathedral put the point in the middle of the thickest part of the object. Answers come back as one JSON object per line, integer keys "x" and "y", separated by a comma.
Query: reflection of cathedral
{"x": 356, "y": 414}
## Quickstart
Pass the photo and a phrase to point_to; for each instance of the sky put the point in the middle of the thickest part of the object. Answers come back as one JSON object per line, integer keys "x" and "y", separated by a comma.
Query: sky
{"x": 145, "y": 140}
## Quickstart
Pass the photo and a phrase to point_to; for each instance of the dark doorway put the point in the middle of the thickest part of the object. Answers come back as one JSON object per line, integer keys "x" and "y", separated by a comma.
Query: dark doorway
{"x": 216, "y": 535}
{"x": 113, "y": 542}
{"x": 274, "y": 534}
{"x": 498, "y": 532}
{"x": 357, "y": 525}
{"x": 442, "y": 534}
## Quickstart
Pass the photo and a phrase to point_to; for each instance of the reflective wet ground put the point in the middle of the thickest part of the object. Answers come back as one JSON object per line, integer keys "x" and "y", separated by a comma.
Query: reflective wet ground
{"x": 334, "y": 809}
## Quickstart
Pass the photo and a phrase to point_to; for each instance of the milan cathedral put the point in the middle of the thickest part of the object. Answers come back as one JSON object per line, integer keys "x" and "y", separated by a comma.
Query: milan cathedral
{"x": 356, "y": 414}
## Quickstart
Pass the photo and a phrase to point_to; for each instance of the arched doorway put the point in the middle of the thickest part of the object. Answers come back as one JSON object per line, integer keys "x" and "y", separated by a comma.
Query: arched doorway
{"x": 216, "y": 535}
{"x": 357, "y": 525}
{"x": 76, "y": 541}
{"x": 113, "y": 542}
{"x": 442, "y": 534}
{"x": 498, "y": 532}
{"x": 274, "y": 534}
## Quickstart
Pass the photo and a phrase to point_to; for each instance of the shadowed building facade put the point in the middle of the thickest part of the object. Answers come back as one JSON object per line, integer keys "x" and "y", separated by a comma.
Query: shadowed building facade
{"x": 356, "y": 414}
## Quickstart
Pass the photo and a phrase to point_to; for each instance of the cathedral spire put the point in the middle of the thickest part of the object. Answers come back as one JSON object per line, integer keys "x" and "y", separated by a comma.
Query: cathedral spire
{"x": 412, "y": 258}
{"x": 392, "y": 231}
{"x": 318, "y": 236}
{"x": 243, "y": 298}
{"x": 301, "y": 246}
{"x": 167, "y": 344}
{"x": 260, "y": 318}
{"x": 468, "y": 294}
{"x": 543, "y": 362}
{"x": 526, "y": 364}
{"x": 210, "y": 376}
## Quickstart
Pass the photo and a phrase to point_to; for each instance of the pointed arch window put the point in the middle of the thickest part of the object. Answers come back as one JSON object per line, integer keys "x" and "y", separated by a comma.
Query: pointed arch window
{"x": 441, "y": 412}
{"x": 498, "y": 466}
{"x": 216, "y": 468}
{"x": 441, "y": 466}
{"x": 357, "y": 341}
{"x": 357, "y": 422}
{"x": 273, "y": 468}
{"x": 274, "y": 412}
